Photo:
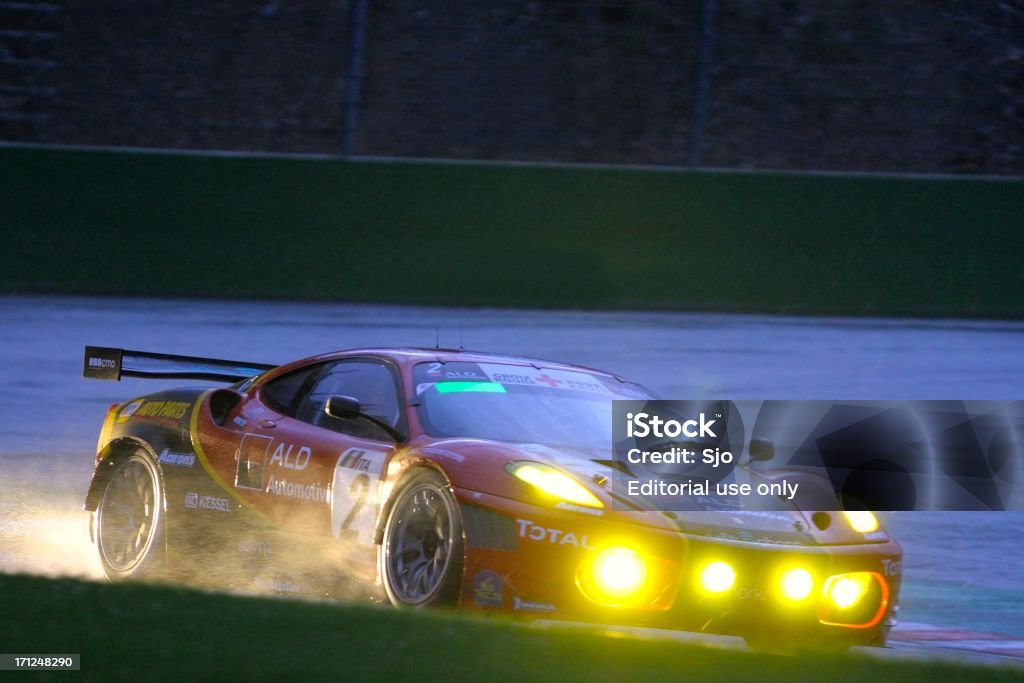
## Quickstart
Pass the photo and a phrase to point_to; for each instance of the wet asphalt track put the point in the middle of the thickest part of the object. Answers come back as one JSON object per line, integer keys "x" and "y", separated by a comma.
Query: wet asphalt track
{"x": 961, "y": 570}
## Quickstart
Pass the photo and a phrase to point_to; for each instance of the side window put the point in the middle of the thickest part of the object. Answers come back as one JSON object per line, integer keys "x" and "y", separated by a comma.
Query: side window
{"x": 282, "y": 393}
{"x": 371, "y": 383}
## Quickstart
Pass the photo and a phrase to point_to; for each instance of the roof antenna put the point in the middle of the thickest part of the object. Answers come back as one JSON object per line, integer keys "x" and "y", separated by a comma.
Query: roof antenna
{"x": 461, "y": 347}
{"x": 437, "y": 337}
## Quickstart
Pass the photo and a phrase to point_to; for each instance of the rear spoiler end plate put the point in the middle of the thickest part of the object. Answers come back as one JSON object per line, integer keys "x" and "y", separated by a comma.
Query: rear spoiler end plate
{"x": 102, "y": 362}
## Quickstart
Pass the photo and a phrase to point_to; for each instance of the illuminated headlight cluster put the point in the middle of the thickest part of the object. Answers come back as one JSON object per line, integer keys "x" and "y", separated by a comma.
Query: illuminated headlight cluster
{"x": 862, "y": 521}
{"x": 554, "y": 483}
{"x": 717, "y": 577}
{"x": 856, "y": 599}
{"x": 615, "y": 576}
{"x": 796, "y": 584}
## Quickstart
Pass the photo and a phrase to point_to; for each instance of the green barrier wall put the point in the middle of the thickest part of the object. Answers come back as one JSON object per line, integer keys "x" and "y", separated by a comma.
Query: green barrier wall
{"x": 100, "y": 222}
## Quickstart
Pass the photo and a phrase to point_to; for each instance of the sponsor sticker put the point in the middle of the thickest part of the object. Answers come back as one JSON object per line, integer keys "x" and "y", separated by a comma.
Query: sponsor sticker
{"x": 251, "y": 458}
{"x": 128, "y": 410}
{"x": 252, "y": 546}
{"x": 286, "y": 456}
{"x": 552, "y": 379}
{"x": 278, "y": 486}
{"x": 202, "y": 502}
{"x": 355, "y": 490}
{"x": 542, "y": 534}
{"x": 487, "y": 589}
{"x": 174, "y": 410}
{"x": 169, "y": 457}
{"x": 520, "y": 605}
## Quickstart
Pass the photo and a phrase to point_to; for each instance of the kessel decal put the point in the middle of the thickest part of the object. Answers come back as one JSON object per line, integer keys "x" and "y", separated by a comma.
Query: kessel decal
{"x": 198, "y": 501}
{"x": 355, "y": 493}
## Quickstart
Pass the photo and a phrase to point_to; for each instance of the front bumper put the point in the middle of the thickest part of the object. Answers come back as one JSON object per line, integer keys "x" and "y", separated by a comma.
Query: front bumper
{"x": 530, "y": 561}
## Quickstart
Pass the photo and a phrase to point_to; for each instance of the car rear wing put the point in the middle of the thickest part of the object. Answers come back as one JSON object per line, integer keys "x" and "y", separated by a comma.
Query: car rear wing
{"x": 107, "y": 363}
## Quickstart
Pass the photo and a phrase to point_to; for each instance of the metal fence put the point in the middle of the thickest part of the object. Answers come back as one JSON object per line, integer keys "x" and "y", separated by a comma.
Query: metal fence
{"x": 859, "y": 85}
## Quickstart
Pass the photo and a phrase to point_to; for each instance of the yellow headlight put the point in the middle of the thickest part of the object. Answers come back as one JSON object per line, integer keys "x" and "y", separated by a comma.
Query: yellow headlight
{"x": 847, "y": 590}
{"x": 554, "y": 483}
{"x": 619, "y": 572}
{"x": 796, "y": 584}
{"x": 862, "y": 521}
{"x": 717, "y": 577}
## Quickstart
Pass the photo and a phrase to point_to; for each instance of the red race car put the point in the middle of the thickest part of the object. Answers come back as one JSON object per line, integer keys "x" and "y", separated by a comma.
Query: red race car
{"x": 445, "y": 477}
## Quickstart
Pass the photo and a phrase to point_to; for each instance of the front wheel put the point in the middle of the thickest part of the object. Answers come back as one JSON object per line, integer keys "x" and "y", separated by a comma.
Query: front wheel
{"x": 129, "y": 520}
{"x": 421, "y": 555}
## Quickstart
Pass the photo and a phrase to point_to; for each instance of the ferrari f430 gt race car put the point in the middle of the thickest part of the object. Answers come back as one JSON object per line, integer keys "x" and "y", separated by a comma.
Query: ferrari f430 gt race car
{"x": 444, "y": 477}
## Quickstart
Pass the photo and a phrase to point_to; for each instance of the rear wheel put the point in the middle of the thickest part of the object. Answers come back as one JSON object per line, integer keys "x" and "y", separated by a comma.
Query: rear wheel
{"x": 129, "y": 520}
{"x": 421, "y": 555}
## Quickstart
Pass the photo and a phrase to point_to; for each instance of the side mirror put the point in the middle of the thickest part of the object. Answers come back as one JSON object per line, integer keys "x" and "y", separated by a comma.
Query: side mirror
{"x": 761, "y": 449}
{"x": 348, "y": 408}
{"x": 343, "y": 407}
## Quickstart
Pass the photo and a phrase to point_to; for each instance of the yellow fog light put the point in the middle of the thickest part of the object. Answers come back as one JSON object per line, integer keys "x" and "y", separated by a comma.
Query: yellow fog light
{"x": 796, "y": 584}
{"x": 846, "y": 591}
{"x": 862, "y": 521}
{"x": 619, "y": 572}
{"x": 717, "y": 577}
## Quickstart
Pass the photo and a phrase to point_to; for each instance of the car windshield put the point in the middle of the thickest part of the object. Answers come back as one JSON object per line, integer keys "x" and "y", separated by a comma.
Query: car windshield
{"x": 517, "y": 403}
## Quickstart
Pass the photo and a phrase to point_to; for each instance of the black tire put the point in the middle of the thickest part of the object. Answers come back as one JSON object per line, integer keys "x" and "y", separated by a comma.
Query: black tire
{"x": 130, "y": 520}
{"x": 421, "y": 556}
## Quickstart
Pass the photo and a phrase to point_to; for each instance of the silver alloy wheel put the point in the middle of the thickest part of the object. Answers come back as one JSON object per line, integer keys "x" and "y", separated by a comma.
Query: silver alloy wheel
{"x": 422, "y": 543}
{"x": 129, "y": 517}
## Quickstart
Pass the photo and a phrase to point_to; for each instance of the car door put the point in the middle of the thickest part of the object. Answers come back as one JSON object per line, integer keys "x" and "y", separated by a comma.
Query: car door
{"x": 311, "y": 473}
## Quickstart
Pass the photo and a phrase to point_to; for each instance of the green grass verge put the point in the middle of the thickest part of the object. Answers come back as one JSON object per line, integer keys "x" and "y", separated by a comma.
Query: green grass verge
{"x": 133, "y": 632}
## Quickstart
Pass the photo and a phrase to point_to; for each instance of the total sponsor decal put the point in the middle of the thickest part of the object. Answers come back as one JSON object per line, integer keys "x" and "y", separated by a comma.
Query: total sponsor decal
{"x": 520, "y": 605}
{"x": 200, "y": 502}
{"x": 169, "y": 457}
{"x": 282, "y": 487}
{"x": 487, "y": 589}
{"x": 553, "y": 379}
{"x": 892, "y": 567}
{"x": 542, "y": 534}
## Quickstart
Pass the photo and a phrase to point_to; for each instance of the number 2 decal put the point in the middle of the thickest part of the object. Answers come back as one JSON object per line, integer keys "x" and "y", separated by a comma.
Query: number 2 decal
{"x": 358, "y": 490}
{"x": 354, "y": 493}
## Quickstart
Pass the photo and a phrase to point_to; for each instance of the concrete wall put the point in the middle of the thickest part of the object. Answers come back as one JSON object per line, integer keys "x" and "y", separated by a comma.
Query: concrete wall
{"x": 105, "y": 222}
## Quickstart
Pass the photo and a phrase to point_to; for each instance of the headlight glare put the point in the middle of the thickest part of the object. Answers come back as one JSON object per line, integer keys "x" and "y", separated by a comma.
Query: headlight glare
{"x": 862, "y": 521}
{"x": 796, "y": 584}
{"x": 619, "y": 572}
{"x": 717, "y": 577}
{"x": 554, "y": 483}
{"x": 846, "y": 591}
